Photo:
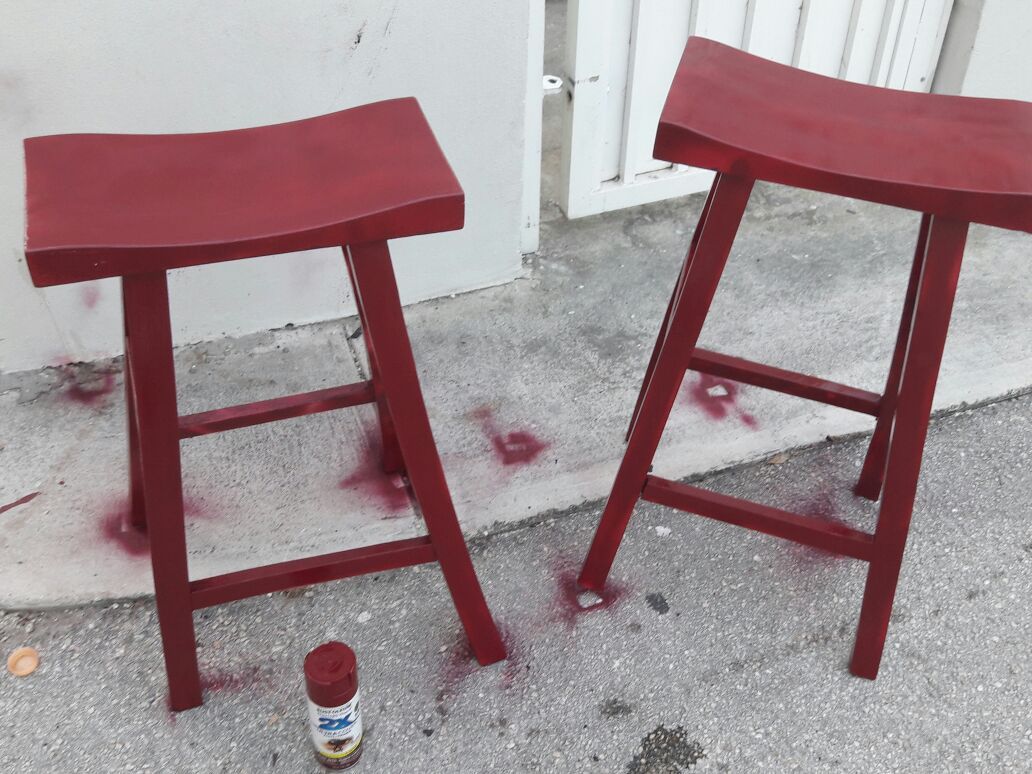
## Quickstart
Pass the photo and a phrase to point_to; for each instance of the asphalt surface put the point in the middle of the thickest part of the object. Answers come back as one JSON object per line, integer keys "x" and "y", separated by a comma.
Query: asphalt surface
{"x": 713, "y": 649}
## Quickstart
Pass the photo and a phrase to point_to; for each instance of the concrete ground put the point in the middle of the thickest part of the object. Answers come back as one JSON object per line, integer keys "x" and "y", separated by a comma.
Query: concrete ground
{"x": 529, "y": 387}
{"x": 713, "y": 649}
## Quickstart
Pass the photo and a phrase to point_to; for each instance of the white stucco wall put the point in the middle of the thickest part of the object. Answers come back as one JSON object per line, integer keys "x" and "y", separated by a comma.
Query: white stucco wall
{"x": 197, "y": 65}
{"x": 986, "y": 50}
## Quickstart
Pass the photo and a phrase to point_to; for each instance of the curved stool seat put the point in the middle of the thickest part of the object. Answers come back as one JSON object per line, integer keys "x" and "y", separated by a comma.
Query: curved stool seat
{"x": 105, "y": 205}
{"x": 963, "y": 157}
{"x": 955, "y": 160}
{"x": 135, "y": 206}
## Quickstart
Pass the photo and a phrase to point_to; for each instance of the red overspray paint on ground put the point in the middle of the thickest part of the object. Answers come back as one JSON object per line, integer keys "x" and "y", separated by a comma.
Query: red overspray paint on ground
{"x": 519, "y": 447}
{"x": 132, "y": 541}
{"x": 231, "y": 682}
{"x": 20, "y": 501}
{"x": 460, "y": 664}
{"x": 517, "y": 663}
{"x": 86, "y": 386}
{"x": 390, "y": 490}
{"x": 820, "y": 506}
{"x": 568, "y": 608}
{"x": 116, "y": 530}
{"x": 90, "y": 295}
{"x": 720, "y": 406}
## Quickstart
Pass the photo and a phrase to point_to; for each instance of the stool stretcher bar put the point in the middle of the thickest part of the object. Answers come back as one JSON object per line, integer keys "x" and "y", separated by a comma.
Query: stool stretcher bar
{"x": 232, "y": 586}
{"x": 808, "y": 530}
{"x": 810, "y": 140}
{"x": 788, "y": 382}
{"x": 287, "y": 407}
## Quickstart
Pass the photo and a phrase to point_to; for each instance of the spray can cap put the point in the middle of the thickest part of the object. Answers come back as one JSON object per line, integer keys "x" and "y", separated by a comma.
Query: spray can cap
{"x": 331, "y": 674}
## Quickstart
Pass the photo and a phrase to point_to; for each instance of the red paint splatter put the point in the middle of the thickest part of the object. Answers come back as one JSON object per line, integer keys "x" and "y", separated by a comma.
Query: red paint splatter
{"x": 748, "y": 420}
{"x": 460, "y": 664}
{"x": 390, "y": 489}
{"x": 572, "y": 600}
{"x": 516, "y": 665}
{"x": 20, "y": 501}
{"x": 519, "y": 447}
{"x": 86, "y": 386}
{"x": 196, "y": 508}
{"x": 718, "y": 398}
{"x": 232, "y": 681}
{"x": 223, "y": 681}
{"x": 116, "y": 529}
{"x": 90, "y": 295}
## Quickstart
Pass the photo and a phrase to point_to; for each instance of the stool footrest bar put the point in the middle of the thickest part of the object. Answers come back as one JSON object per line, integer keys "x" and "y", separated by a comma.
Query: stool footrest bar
{"x": 219, "y": 589}
{"x": 259, "y": 412}
{"x": 808, "y": 530}
{"x": 789, "y": 382}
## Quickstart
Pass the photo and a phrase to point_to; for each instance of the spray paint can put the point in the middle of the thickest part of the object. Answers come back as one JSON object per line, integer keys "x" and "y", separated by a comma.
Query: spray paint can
{"x": 334, "y": 715}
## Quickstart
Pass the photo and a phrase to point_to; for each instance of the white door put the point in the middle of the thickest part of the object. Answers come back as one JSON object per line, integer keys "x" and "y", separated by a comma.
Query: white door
{"x": 621, "y": 56}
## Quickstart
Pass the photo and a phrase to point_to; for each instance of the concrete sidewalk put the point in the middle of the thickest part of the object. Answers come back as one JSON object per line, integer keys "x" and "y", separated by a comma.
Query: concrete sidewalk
{"x": 530, "y": 387}
{"x": 713, "y": 649}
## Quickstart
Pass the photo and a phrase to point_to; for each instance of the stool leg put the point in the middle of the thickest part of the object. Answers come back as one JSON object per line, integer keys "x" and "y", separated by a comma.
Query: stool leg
{"x": 873, "y": 472}
{"x": 391, "y": 461}
{"x": 145, "y": 297}
{"x": 729, "y": 198}
{"x": 673, "y": 300}
{"x": 370, "y": 265}
{"x": 137, "y": 511}
{"x": 937, "y": 285}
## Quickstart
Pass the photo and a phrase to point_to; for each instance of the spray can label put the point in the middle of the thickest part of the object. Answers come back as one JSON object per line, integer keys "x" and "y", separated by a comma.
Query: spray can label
{"x": 336, "y": 733}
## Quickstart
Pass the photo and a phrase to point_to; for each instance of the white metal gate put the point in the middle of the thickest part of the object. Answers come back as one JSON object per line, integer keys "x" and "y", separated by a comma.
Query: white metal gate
{"x": 621, "y": 56}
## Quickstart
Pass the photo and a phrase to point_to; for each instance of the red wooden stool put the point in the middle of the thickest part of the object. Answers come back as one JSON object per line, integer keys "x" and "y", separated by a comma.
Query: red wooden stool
{"x": 954, "y": 159}
{"x": 135, "y": 206}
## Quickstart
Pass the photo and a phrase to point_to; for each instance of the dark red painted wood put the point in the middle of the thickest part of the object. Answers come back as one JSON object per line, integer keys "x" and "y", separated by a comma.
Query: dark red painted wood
{"x": 962, "y": 157}
{"x": 937, "y": 287}
{"x": 670, "y": 306}
{"x": 954, "y": 159}
{"x": 374, "y": 282}
{"x": 729, "y": 197}
{"x": 103, "y": 205}
{"x": 788, "y": 382}
{"x": 873, "y": 472}
{"x": 137, "y": 506}
{"x": 136, "y": 206}
{"x": 274, "y": 409}
{"x": 145, "y": 298}
{"x": 391, "y": 461}
{"x": 219, "y": 589}
{"x": 808, "y": 530}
